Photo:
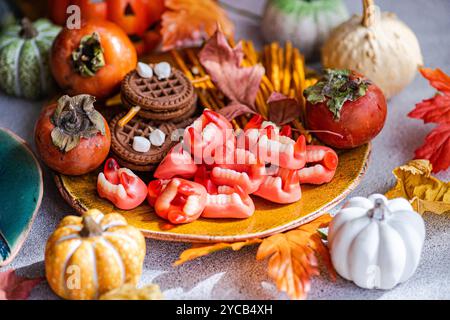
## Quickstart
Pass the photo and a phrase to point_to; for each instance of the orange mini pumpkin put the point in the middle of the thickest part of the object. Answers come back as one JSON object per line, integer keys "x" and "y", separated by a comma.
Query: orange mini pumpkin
{"x": 90, "y": 255}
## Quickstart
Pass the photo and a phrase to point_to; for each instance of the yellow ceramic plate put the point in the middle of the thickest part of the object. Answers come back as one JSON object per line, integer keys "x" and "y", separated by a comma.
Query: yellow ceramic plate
{"x": 269, "y": 218}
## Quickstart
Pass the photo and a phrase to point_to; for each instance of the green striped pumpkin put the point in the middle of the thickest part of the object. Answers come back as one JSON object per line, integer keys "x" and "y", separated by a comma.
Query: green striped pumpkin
{"x": 24, "y": 58}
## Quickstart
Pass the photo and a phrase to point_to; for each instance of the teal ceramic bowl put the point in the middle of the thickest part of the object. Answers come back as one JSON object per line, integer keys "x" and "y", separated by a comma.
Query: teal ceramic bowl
{"x": 21, "y": 190}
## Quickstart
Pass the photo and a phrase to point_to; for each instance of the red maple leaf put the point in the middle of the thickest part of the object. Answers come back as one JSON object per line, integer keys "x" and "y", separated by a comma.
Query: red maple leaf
{"x": 437, "y": 110}
{"x": 436, "y": 148}
{"x": 14, "y": 287}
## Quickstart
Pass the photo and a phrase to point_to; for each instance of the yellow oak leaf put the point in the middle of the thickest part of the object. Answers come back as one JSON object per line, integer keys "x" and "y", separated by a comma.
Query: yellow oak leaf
{"x": 415, "y": 183}
{"x": 130, "y": 292}
{"x": 188, "y": 22}
{"x": 293, "y": 257}
{"x": 200, "y": 249}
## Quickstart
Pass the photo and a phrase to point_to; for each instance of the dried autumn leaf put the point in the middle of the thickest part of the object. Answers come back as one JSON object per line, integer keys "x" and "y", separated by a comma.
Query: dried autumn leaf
{"x": 223, "y": 64}
{"x": 14, "y": 287}
{"x": 283, "y": 109}
{"x": 293, "y": 257}
{"x": 437, "y": 109}
{"x": 199, "y": 249}
{"x": 188, "y": 22}
{"x": 234, "y": 110}
{"x": 436, "y": 148}
{"x": 130, "y": 292}
{"x": 415, "y": 183}
{"x": 437, "y": 78}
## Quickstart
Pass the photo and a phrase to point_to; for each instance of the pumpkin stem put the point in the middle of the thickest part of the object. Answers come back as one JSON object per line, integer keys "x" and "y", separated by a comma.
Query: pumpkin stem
{"x": 28, "y": 31}
{"x": 90, "y": 228}
{"x": 368, "y": 13}
{"x": 379, "y": 210}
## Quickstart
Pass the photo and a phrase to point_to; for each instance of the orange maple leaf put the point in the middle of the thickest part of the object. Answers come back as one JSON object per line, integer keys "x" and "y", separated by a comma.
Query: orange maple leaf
{"x": 199, "y": 249}
{"x": 437, "y": 78}
{"x": 188, "y": 22}
{"x": 293, "y": 257}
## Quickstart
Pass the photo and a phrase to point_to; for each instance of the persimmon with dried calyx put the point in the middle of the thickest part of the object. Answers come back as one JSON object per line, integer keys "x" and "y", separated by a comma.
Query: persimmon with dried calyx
{"x": 71, "y": 136}
{"x": 93, "y": 59}
{"x": 345, "y": 109}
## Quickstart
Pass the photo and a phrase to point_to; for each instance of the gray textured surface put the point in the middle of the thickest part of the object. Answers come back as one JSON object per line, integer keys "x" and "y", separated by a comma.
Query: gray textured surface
{"x": 236, "y": 275}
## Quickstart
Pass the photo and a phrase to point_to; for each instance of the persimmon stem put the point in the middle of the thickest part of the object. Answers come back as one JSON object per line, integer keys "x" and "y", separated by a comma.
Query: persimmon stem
{"x": 88, "y": 58}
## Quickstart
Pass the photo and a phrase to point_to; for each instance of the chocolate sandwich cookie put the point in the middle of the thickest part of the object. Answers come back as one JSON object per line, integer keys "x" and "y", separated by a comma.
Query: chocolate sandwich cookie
{"x": 122, "y": 141}
{"x": 176, "y": 115}
{"x": 160, "y": 99}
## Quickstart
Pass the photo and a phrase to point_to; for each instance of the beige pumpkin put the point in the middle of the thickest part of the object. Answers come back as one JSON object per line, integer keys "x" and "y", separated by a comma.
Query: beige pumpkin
{"x": 378, "y": 45}
{"x": 90, "y": 255}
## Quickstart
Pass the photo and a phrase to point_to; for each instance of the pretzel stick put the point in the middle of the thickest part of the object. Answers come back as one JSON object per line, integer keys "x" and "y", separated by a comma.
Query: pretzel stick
{"x": 267, "y": 83}
{"x": 280, "y": 60}
{"x": 201, "y": 80}
{"x": 249, "y": 54}
{"x": 267, "y": 63}
{"x": 292, "y": 93}
{"x": 193, "y": 57}
{"x": 114, "y": 101}
{"x": 130, "y": 115}
{"x": 299, "y": 69}
{"x": 296, "y": 81}
{"x": 266, "y": 92}
{"x": 287, "y": 69}
{"x": 209, "y": 84}
{"x": 261, "y": 104}
{"x": 299, "y": 66}
{"x": 187, "y": 72}
{"x": 275, "y": 71}
{"x": 176, "y": 56}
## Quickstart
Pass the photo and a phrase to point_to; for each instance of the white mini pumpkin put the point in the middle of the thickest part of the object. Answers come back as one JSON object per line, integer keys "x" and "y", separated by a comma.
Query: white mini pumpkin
{"x": 375, "y": 242}
{"x": 378, "y": 45}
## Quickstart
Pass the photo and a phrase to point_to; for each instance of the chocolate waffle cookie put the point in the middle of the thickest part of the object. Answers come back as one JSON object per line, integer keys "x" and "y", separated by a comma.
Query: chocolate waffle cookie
{"x": 122, "y": 141}
{"x": 161, "y": 100}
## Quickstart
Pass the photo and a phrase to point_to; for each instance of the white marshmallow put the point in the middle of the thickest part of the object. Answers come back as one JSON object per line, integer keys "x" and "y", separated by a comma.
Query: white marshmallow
{"x": 157, "y": 137}
{"x": 162, "y": 70}
{"x": 140, "y": 144}
{"x": 144, "y": 70}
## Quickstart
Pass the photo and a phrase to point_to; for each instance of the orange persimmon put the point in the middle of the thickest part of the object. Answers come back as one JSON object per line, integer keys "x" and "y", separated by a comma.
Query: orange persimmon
{"x": 71, "y": 137}
{"x": 93, "y": 59}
